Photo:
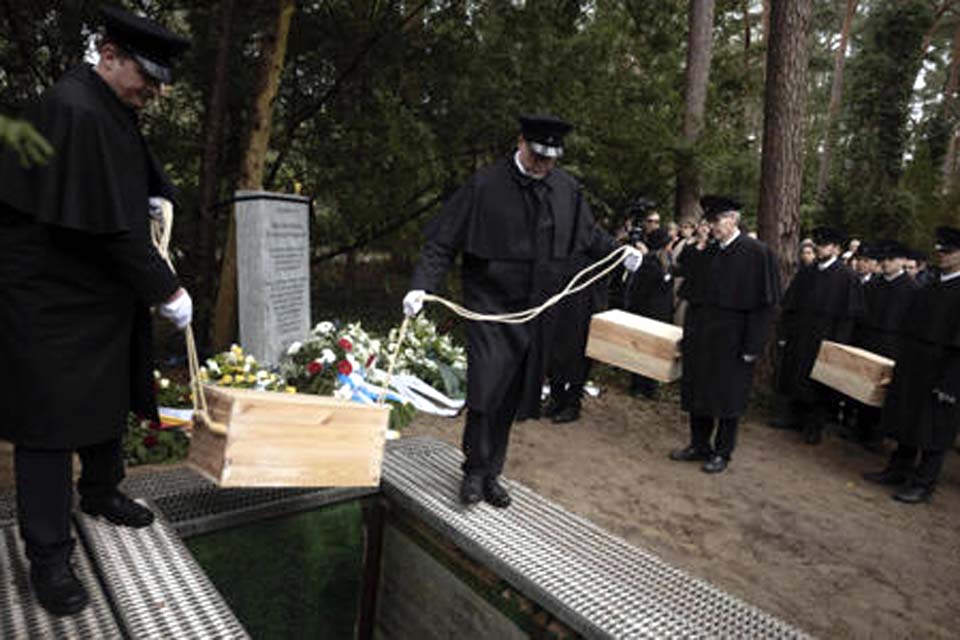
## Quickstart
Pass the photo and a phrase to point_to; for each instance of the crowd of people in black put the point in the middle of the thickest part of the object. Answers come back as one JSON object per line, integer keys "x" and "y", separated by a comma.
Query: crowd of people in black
{"x": 881, "y": 296}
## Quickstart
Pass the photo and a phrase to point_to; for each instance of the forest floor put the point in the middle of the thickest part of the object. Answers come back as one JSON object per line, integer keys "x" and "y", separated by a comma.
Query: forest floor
{"x": 789, "y": 527}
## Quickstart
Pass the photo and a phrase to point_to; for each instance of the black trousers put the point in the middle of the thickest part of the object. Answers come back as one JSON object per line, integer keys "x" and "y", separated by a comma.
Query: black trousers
{"x": 924, "y": 474}
{"x": 642, "y": 384}
{"x": 487, "y": 434}
{"x": 702, "y": 431}
{"x": 44, "y": 480}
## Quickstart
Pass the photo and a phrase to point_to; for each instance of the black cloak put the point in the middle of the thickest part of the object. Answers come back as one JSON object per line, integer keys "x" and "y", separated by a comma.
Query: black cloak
{"x": 887, "y": 303}
{"x": 518, "y": 237}
{"x": 78, "y": 271}
{"x": 929, "y": 360}
{"x": 732, "y": 294}
{"x": 818, "y": 305}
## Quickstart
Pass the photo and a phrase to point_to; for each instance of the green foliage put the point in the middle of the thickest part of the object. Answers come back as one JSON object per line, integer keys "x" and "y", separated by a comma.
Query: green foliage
{"x": 146, "y": 443}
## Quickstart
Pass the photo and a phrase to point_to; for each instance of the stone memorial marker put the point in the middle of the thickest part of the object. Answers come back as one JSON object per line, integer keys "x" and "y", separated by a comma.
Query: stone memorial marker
{"x": 273, "y": 272}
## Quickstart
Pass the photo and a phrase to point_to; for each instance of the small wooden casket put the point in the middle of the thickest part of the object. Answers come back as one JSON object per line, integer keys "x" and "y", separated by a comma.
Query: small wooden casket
{"x": 636, "y": 343}
{"x": 270, "y": 439}
{"x": 857, "y": 373}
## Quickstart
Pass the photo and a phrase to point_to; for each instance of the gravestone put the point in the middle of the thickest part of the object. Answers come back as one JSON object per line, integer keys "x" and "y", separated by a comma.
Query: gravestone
{"x": 273, "y": 272}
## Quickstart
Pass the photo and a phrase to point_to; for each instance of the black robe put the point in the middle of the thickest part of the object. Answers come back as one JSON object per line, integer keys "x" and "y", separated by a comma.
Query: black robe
{"x": 732, "y": 294}
{"x": 818, "y": 305}
{"x": 78, "y": 271}
{"x": 648, "y": 291}
{"x": 929, "y": 359}
{"x": 518, "y": 237}
{"x": 887, "y": 302}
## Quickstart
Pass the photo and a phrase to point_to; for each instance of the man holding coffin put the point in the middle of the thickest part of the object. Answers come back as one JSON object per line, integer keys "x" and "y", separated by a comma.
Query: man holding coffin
{"x": 921, "y": 410}
{"x": 732, "y": 295}
{"x": 519, "y": 225}
{"x": 823, "y": 302}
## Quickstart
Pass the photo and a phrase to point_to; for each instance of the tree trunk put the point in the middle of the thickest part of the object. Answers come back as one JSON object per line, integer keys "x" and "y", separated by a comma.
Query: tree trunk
{"x": 272, "y": 55}
{"x": 210, "y": 163}
{"x": 836, "y": 95}
{"x": 950, "y": 115}
{"x": 782, "y": 161}
{"x": 696, "y": 80}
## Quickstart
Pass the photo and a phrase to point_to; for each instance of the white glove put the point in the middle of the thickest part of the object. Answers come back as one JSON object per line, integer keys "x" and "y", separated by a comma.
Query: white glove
{"x": 179, "y": 311}
{"x": 633, "y": 260}
{"x": 413, "y": 302}
{"x": 944, "y": 397}
{"x": 155, "y": 207}
{"x": 749, "y": 358}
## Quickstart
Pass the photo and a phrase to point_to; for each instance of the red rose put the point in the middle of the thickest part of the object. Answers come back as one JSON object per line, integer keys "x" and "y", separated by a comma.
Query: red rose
{"x": 345, "y": 344}
{"x": 314, "y": 367}
{"x": 344, "y": 367}
{"x": 156, "y": 426}
{"x": 150, "y": 441}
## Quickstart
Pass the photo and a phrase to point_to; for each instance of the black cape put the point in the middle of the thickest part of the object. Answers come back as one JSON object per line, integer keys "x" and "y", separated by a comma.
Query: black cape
{"x": 732, "y": 294}
{"x": 518, "y": 237}
{"x": 887, "y": 302}
{"x": 818, "y": 305}
{"x": 929, "y": 359}
{"x": 78, "y": 271}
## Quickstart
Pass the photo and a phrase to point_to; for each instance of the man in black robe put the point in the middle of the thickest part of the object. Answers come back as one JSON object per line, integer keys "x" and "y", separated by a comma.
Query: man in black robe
{"x": 823, "y": 302}
{"x": 77, "y": 275}
{"x": 733, "y": 288}
{"x": 921, "y": 410}
{"x": 649, "y": 292}
{"x": 888, "y": 298}
{"x": 518, "y": 225}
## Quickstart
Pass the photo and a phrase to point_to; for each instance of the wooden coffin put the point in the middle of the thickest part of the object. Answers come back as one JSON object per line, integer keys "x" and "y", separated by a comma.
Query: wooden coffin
{"x": 636, "y": 343}
{"x": 854, "y": 372}
{"x": 268, "y": 439}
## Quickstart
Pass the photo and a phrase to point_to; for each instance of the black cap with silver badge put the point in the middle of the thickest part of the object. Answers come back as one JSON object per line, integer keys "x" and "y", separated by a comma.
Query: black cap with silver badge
{"x": 150, "y": 44}
{"x": 544, "y": 134}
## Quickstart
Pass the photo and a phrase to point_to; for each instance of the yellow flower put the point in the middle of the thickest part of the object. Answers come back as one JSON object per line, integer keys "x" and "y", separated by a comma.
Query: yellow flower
{"x": 251, "y": 378}
{"x": 237, "y": 350}
{"x": 227, "y": 379}
{"x": 291, "y": 389}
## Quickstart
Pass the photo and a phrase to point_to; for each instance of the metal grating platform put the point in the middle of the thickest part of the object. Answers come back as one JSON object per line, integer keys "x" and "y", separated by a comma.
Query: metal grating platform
{"x": 598, "y": 584}
{"x": 158, "y": 589}
{"x": 22, "y": 617}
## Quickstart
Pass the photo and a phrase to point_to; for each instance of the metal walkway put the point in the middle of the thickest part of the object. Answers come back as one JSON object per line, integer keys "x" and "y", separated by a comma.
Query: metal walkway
{"x": 150, "y": 586}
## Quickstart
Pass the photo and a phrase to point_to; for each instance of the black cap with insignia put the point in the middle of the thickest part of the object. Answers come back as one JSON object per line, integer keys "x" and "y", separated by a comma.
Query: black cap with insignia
{"x": 715, "y": 206}
{"x": 891, "y": 249}
{"x": 153, "y": 46}
{"x": 869, "y": 250}
{"x": 948, "y": 239}
{"x": 544, "y": 134}
{"x": 827, "y": 235}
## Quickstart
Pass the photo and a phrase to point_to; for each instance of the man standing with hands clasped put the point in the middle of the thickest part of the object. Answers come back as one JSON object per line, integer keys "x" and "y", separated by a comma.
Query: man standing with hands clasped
{"x": 78, "y": 273}
{"x": 517, "y": 224}
{"x": 732, "y": 293}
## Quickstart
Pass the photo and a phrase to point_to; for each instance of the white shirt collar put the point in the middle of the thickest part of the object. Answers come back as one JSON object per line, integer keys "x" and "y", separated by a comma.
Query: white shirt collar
{"x": 729, "y": 241}
{"x": 823, "y": 266}
{"x": 947, "y": 277}
{"x": 894, "y": 276}
{"x": 520, "y": 168}
{"x": 866, "y": 278}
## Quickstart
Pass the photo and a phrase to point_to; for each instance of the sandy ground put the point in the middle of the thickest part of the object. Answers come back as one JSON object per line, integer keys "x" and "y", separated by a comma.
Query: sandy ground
{"x": 789, "y": 527}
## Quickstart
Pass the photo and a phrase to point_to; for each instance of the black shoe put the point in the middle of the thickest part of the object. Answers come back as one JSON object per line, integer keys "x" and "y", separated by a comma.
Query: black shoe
{"x": 118, "y": 509}
{"x": 689, "y": 454}
{"x": 495, "y": 494}
{"x": 787, "y": 424}
{"x": 873, "y": 446}
{"x": 553, "y": 406}
{"x": 570, "y": 413}
{"x": 471, "y": 489}
{"x": 914, "y": 494}
{"x": 57, "y": 588}
{"x": 715, "y": 464}
{"x": 887, "y": 477}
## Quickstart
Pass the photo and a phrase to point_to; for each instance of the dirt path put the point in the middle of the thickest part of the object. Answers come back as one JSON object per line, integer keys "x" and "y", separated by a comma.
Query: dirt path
{"x": 789, "y": 527}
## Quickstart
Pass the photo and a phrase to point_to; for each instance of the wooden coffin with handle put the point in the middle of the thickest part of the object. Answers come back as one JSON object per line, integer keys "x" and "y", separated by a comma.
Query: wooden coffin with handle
{"x": 270, "y": 439}
{"x": 854, "y": 372}
{"x": 636, "y": 343}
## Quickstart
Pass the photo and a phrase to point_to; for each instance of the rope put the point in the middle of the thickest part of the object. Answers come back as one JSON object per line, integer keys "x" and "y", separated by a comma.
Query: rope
{"x": 161, "y": 230}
